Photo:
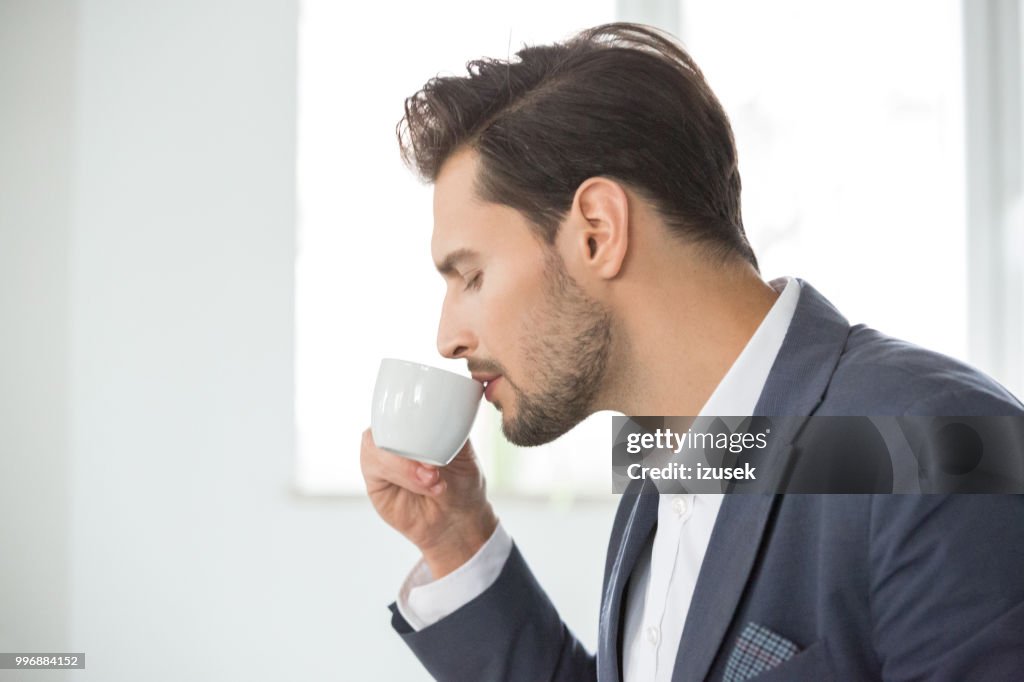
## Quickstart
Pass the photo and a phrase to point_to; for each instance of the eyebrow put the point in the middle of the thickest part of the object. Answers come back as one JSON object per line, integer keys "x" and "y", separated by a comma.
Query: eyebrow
{"x": 447, "y": 266}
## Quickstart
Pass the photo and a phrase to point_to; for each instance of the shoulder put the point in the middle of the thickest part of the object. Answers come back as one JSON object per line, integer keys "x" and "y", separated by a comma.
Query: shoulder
{"x": 879, "y": 374}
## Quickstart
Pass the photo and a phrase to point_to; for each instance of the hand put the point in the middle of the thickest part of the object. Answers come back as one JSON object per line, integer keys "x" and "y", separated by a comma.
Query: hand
{"x": 443, "y": 511}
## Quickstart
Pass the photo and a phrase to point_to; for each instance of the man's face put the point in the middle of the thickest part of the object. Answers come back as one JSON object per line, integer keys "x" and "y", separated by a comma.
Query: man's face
{"x": 514, "y": 313}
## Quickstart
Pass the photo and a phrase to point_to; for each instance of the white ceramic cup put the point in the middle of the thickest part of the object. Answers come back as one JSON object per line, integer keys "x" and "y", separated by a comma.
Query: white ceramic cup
{"x": 422, "y": 412}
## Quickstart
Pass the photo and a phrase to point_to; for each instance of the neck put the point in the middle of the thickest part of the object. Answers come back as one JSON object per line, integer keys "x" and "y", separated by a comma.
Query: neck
{"x": 679, "y": 340}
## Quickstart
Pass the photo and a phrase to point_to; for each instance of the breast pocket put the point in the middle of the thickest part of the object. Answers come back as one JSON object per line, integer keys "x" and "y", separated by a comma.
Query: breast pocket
{"x": 812, "y": 663}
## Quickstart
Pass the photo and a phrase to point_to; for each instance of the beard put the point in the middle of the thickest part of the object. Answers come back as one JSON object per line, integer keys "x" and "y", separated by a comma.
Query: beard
{"x": 568, "y": 341}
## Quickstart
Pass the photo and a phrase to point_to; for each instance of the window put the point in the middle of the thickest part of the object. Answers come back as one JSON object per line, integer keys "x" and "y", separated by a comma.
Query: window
{"x": 851, "y": 150}
{"x": 365, "y": 284}
{"x": 848, "y": 119}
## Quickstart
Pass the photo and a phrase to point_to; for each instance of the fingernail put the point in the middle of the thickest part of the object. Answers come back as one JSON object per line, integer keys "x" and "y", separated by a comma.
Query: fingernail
{"x": 426, "y": 475}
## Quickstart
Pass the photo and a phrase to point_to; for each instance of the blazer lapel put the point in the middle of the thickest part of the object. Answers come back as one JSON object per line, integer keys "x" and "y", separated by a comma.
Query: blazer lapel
{"x": 807, "y": 359}
{"x": 795, "y": 387}
{"x": 640, "y": 510}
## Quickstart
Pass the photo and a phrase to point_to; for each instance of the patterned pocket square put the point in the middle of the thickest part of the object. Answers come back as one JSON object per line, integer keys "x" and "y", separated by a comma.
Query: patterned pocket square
{"x": 758, "y": 649}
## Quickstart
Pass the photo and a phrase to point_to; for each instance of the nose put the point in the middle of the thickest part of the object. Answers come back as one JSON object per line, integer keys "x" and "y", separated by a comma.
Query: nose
{"x": 455, "y": 337}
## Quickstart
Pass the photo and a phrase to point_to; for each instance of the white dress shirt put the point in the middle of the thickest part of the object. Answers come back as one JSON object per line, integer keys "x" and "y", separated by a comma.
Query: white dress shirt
{"x": 662, "y": 584}
{"x": 661, "y": 588}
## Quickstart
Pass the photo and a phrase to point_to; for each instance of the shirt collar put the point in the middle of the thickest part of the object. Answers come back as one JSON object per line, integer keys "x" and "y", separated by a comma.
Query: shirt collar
{"x": 738, "y": 391}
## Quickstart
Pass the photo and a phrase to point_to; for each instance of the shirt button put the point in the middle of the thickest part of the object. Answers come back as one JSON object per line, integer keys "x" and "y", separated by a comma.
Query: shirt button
{"x": 652, "y": 635}
{"x": 679, "y": 506}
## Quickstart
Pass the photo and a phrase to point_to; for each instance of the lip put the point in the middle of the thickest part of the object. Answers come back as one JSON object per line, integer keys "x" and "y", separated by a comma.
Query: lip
{"x": 489, "y": 387}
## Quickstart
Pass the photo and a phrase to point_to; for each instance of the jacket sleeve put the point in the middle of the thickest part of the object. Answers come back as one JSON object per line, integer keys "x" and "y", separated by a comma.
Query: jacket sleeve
{"x": 947, "y": 586}
{"x": 510, "y": 632}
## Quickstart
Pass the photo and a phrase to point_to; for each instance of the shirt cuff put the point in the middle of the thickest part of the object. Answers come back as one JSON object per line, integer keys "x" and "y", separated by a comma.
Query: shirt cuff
{"x": 423, "y": 601}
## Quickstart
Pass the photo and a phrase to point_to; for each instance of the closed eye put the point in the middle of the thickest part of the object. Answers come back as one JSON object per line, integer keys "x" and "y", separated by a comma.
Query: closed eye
{"x": 475, "y": 282}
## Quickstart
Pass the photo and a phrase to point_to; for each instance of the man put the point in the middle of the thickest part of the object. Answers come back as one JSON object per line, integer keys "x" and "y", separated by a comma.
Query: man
{"x": 587, "y": 224}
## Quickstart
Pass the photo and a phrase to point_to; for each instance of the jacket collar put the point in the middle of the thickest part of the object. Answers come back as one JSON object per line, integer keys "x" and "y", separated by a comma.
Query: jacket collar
{"x": 795, "y": 388}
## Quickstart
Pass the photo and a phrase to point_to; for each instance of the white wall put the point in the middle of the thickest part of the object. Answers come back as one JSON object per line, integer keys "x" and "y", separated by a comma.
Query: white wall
{"x": 147, "y": 241}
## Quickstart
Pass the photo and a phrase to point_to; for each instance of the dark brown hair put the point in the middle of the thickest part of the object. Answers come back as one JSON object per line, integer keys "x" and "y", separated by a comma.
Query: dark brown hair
{"x": 622, "y": 100}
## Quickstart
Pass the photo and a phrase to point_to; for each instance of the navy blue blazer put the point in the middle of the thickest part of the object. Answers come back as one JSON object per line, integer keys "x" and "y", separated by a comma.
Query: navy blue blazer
{"x": 797, "y": 587}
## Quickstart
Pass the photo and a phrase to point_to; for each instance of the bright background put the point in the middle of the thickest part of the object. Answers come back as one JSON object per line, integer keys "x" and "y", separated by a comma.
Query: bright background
{"x": 852, "y": 153}
{"x": 156, "y": 225}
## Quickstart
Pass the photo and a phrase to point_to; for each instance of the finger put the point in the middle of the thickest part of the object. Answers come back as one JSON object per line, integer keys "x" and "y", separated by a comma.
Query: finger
{"x": 381, "y": 468}
{"x": 466, "y": 451}
{"x": 464, "y": 466}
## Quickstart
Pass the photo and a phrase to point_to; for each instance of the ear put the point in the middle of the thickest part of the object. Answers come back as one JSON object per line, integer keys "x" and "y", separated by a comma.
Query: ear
{"x": 599, "y": 237}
